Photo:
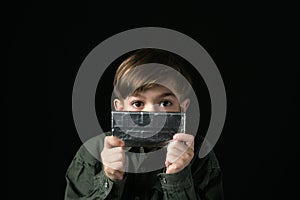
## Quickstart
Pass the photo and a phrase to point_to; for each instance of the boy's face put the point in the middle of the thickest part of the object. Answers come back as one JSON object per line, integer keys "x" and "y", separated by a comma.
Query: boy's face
{"x": 154, "y": 99}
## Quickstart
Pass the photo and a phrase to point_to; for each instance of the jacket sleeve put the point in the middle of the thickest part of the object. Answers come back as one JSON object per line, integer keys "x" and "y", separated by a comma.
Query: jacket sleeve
{"x": 87, "y": 181}
{"x": 178, "y": 186}
{"x": 201, "y": 180}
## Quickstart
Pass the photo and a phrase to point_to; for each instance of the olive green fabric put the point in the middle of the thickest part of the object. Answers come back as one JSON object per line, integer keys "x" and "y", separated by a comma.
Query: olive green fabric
{"x": 86, "y": 180}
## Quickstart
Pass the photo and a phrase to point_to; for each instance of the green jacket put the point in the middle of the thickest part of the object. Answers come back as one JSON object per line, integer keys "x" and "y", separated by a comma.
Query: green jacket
{"x": 86, "y": 180}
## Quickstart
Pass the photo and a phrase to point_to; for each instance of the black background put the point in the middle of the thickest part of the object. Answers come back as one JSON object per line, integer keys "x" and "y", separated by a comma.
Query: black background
{"x": 254, "y": 57}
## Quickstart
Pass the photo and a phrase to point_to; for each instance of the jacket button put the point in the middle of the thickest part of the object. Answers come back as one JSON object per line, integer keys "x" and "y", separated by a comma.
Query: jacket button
{"x": 106, "y": 184}
{"x": 164, "y": 180}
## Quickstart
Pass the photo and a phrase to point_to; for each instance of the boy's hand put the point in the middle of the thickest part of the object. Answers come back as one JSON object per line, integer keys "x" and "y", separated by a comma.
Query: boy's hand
{"x": 180, "y": 152}
{"x": 113, "y": 158}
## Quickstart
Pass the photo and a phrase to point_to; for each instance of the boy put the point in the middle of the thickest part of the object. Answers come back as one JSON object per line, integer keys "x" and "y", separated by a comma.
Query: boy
{"x": 139, "y": 87}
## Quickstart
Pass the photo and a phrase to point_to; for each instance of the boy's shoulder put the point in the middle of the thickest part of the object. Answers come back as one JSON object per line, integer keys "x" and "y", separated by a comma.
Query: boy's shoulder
{"x": 213, "y": 160}
{"x": 209, "y": 162}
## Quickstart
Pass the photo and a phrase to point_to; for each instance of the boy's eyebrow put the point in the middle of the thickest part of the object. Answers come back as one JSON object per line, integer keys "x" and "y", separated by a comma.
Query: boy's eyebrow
{"x": 160, "y": 96}
{"x": 166, "y": 94}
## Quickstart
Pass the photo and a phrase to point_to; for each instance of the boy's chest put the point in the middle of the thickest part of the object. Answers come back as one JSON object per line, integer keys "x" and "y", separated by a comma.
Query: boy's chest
{"x": 140, "y": 185}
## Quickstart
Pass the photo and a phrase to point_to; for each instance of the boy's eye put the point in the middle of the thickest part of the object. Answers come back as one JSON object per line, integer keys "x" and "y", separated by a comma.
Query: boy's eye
{"x": 137, "y": 104}
{"x": 165, "y": 103}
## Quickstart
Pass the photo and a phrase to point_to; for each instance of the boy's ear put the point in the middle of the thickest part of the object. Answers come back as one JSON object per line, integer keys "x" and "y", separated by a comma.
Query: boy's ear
{"x": 118, "y": 104}
{"x": 184, "y": 105}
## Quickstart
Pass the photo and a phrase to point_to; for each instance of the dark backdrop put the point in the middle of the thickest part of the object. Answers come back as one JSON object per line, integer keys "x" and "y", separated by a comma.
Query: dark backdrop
{"x": 254, "y": 150}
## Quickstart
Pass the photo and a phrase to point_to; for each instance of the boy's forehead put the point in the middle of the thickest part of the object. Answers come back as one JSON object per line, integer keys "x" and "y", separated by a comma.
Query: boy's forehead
{"x": 144, "y": 77}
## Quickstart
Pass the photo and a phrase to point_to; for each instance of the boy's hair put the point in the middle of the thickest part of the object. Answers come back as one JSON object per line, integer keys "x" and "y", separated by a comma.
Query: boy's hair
{"x": 129, "y": 80}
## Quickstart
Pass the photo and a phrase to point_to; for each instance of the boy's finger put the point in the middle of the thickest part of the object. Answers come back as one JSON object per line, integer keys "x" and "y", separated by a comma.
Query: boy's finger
{"x": 167, "y": 163}
{"x": 118, "y": 175}
{"x": 187, "y": 138}
{"x": 114, "y": 154}
{"x": 114, "y": 174}
{"x": 112, "y": 141}
{"x": 119, "y": 165}
{"x": 177, "y": 146}
{"x": 184, "y": 137}
{"x": 171, "y": 157}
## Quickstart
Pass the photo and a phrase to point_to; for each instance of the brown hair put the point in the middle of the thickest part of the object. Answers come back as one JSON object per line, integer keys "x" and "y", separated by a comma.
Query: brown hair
{"x": 129, "y": 80}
